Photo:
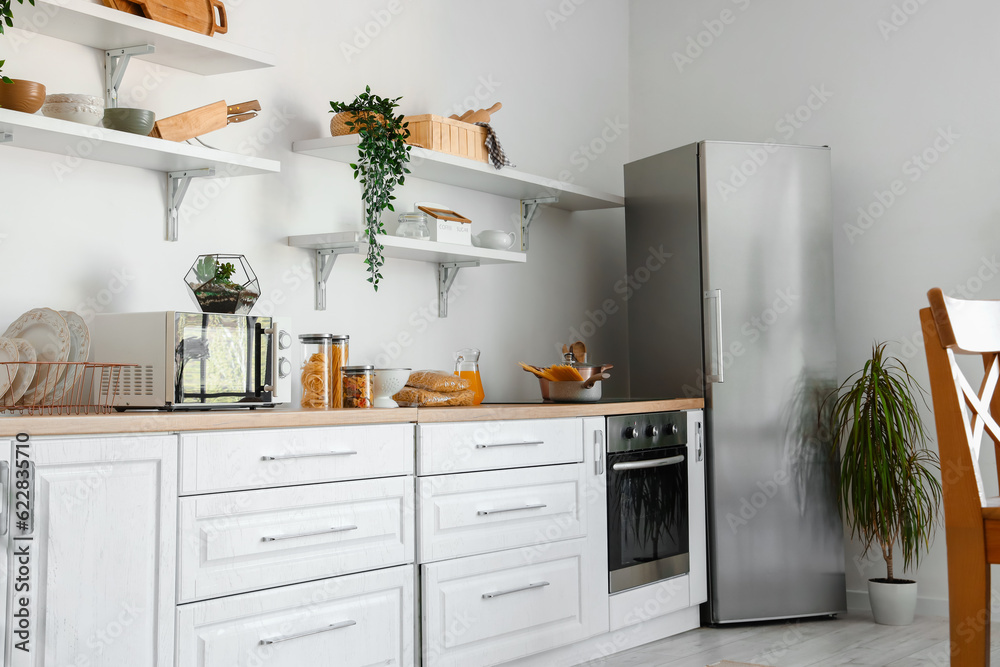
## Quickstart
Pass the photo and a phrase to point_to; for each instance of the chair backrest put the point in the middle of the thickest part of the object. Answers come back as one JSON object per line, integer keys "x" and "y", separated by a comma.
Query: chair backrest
{"x": 962, "y": 414}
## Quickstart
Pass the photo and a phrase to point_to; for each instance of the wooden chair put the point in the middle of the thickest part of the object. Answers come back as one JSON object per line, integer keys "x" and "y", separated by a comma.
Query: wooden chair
{"x": 962, "y": 414}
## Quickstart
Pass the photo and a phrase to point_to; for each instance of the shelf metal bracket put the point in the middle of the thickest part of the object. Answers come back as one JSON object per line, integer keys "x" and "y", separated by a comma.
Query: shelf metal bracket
{"x": 325, "y": 259}
{"x": 6, "y": 137}
{"x": 177, "y": 187}
{"x": 447, "y": 272}
{"x": 528, "y": 209}
{"x": 115, "y": 64}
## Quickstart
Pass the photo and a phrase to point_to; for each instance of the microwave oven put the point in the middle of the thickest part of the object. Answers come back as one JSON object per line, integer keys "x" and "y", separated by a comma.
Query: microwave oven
{"x": 194, "y": 361}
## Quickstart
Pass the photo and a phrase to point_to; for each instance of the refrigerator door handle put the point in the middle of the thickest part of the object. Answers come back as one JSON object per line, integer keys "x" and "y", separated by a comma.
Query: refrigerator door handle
{"x": 719, "y": 377}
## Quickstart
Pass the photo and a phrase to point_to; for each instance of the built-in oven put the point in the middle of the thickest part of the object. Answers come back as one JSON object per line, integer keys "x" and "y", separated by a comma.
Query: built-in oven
{"x": 647, "y": 499}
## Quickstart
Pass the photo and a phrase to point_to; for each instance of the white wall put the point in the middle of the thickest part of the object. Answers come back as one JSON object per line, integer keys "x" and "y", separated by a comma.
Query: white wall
{"x": 896, "y": 76}
{"x": 67, "y": 233}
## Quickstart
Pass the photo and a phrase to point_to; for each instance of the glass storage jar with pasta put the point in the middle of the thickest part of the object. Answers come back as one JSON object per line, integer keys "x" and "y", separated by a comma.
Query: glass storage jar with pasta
{"x": 323, "y": 355}
{"x": 359, "y": 386}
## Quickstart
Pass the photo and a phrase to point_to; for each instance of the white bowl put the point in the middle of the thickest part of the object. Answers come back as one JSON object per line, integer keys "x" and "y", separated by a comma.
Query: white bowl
{"x": 388, "y": 382}
{"x": 85, "y": 114}
{"x": 73, "y": 98}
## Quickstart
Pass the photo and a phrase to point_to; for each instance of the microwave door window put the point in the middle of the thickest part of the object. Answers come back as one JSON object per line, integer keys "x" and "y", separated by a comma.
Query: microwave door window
{"x": 214, "y": 359}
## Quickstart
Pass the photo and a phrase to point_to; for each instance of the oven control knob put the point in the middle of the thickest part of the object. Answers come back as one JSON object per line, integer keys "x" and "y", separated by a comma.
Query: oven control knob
{"x": 671, "y": 429}
{"x": 652, "y": 431}
{"x": 631, "y": 432}
{"x": 284, "y": 340}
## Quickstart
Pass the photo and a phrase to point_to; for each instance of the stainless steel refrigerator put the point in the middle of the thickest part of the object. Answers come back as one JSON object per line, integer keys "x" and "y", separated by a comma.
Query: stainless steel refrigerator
{"x": 730, "y": 298}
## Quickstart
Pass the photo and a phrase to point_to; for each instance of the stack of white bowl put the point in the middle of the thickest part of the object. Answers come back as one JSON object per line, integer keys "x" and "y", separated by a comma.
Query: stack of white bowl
{"x": 86, "y": 109}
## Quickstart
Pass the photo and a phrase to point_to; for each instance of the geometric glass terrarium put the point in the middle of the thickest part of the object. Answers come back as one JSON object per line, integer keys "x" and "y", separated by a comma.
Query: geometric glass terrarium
{"x": 223, "y": 284}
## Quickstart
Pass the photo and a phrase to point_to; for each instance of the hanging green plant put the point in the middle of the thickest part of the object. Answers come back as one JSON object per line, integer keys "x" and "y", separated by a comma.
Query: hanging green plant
{"x": 7, "y": 21}
{"x": 381, "y": 166}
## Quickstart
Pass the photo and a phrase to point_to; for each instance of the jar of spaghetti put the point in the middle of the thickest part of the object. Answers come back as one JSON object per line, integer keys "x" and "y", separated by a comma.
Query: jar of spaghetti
{"x": 359, "y": 386}
{"x": 323, "y": 355}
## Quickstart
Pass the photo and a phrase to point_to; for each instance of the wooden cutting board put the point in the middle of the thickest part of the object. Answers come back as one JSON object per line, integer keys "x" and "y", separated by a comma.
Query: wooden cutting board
{"x": 126, "y": 6}
{"x": 195, "y": 15}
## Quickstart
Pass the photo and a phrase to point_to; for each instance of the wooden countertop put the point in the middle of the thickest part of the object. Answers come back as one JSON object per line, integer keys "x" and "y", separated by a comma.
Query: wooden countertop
{"x": 160, "y": 422}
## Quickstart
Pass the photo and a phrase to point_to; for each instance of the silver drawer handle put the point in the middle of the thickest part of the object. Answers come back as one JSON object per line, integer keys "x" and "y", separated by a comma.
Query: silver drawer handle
{"x": 510, "y": 444}
{"x": 335, "y": 626}
{"x": 347, "y": 452}
{"x": 496, "y": 594}
{"x": 342, "y": 529}
{"x": 511, "y": 509}
{"x": 654, "y": 463}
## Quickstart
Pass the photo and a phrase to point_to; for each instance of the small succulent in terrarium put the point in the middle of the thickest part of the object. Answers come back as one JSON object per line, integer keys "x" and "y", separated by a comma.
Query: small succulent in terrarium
{"x": 223, "y": 284}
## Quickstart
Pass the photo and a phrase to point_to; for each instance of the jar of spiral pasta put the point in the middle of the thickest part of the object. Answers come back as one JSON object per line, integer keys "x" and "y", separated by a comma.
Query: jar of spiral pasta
{"x": 323, "y": 355}
{"x": 359, "y": 386}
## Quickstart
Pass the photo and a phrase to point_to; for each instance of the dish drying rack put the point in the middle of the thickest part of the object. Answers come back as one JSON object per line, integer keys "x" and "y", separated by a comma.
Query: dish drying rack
{"x": 65, "y": 388}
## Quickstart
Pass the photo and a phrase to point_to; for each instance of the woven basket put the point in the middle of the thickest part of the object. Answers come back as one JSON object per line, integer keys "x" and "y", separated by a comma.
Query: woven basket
{"x": 338, "y": 124}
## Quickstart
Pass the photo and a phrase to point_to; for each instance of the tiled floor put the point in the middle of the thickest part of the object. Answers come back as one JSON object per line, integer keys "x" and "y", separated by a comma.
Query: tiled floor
{"x": 852, "y": 639}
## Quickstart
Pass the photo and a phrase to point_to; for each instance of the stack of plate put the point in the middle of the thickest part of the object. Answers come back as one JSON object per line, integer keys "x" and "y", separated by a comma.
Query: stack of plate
{"x": 42, "y": 335}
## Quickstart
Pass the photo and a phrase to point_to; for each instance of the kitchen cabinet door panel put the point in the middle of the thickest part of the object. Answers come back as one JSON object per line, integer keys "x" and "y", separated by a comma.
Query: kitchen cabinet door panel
{"x": 473, "y": 513}
{"x": 357, "y": 620}
{"x": 491, "y": 609}
{"x": 233, "y": 460}
{"x": 103, "y": 553}
{"x": 472, "y": 446}
{"x": 249, "y": 540}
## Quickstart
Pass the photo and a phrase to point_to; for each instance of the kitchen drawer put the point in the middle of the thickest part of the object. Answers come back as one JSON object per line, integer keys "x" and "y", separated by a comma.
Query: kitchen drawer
{"x": 351, "y": 621}
{"x": 468, "y": 446}
{"x": 249, "y": 540}
{"x": 487, "y": 610}
{"x": 479, "y": 512}
{"x": 232, "y": 460}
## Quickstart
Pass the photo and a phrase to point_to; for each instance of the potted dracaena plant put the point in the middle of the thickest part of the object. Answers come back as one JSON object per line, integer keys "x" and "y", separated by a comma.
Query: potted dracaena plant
{"x": 887, "y": 484}
{"x": 7, "y": 20}
{"x": 381, "y": 166}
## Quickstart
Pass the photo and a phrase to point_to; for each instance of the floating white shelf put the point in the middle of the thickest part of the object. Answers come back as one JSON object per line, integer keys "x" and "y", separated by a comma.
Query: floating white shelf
{"x": 179, "y": 161}
{"x": 448, "y": 256}
{"x": 104, "y": 28}
{"x": 465, "y": 173}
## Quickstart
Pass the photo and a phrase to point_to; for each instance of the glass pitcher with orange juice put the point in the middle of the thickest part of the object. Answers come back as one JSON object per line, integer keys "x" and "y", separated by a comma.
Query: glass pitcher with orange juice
{"x": 467, "y": 367}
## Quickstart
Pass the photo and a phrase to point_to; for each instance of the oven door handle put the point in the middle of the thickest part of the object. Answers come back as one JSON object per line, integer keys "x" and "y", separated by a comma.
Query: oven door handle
{"x": 653, "y": 463}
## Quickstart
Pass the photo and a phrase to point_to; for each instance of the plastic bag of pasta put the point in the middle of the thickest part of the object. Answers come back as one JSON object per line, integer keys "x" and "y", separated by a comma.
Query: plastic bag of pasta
{"x": 414, "y": 397}
{"x": 440, "y": 381}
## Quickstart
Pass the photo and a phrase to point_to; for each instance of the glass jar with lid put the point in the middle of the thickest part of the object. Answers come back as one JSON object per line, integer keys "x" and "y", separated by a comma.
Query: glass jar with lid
{"x": 413, "y": 226}
{"x": 323, "y": 356}
{"x": 359, "y": 386}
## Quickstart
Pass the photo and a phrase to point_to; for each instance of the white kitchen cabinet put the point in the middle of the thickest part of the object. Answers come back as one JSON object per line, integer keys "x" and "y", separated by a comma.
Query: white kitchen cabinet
{"x": 497, "y": 445}
{"x": 480, "y": 512}
{"x": 490, "y": 609}
{"x": 249, "y": 540}
{"x": 358, "y": 620}
{"x": 233, "y": 460}
{"x": 101, "y": 555}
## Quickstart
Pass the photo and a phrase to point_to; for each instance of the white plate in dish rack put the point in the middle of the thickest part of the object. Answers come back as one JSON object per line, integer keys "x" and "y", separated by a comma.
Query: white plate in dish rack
{"x": 79, "y": 350}
{"x": 8, "y": 353}
{"x": 48, "y": 333}
{"x": 25, "y": 372}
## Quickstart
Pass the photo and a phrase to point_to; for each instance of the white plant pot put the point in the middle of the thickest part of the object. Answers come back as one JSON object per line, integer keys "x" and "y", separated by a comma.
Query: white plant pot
{"x": 893, "y": 604}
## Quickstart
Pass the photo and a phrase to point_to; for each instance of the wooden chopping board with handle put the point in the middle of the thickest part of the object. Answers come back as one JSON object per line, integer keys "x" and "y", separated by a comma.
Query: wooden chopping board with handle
{"x": 195, "y": 15}
{"x": 126, "y": 6}
{"x": 203, "y": 120}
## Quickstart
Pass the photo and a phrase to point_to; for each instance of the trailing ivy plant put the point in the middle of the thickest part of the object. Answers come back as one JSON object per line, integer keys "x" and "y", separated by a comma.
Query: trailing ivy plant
{"x": 7, "y": 20}
{"x": 381, "y": 166}
{"x": 887, "y": 482}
